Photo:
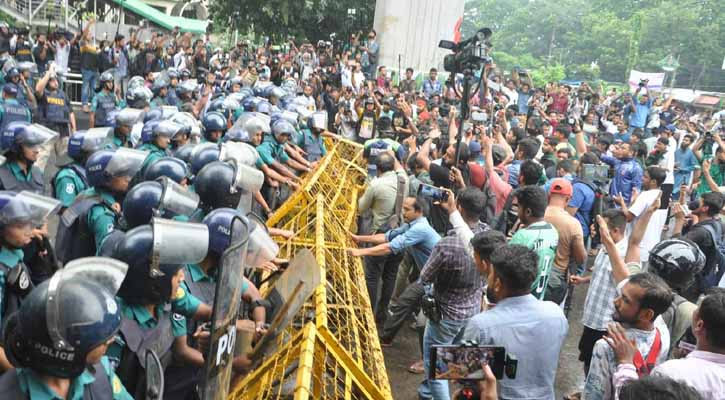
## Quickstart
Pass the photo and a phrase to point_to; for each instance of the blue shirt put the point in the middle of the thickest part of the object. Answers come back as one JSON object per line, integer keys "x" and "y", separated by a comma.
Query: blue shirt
{"x": 514, "y": 170}
{"x": 523, "y": 102}
{"x": 533, "y": 331}
{"x": 628, "y": 175}
{"x": 418, "y": 237}
{"x": 638, "y": 118}
{"x": 623, "y": 136}
{"x": 582, "y": 198}
{"x": 431, "y": 88}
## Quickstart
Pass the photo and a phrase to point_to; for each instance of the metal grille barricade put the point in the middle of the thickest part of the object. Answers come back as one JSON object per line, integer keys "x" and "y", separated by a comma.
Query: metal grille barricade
{"x": 331, "y": 350}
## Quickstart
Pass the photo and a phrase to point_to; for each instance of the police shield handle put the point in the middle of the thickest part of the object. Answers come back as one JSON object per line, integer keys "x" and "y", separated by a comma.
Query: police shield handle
{"x": 154, "y": 376}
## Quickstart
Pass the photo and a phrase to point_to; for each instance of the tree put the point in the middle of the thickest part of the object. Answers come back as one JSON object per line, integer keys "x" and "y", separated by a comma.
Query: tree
{"x": 309, "y": 19}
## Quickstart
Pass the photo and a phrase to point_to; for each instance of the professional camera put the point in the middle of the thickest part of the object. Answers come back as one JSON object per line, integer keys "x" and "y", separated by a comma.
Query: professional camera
{"x": 444, "y": 110}
{"x": 471, "y": 53}
{"x": 643, "y": 82}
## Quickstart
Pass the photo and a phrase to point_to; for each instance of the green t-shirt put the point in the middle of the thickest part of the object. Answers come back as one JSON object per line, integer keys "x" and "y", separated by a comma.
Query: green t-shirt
{"x": 717, "y": 172}
{"x": 543, "y": 238}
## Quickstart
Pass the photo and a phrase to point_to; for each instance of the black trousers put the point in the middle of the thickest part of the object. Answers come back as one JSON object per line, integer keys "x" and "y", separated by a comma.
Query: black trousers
{"x": 383, "y": 268}
{"x": 401, "y": 309}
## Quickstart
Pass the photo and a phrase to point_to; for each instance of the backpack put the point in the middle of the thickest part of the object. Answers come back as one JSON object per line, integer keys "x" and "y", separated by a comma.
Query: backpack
{"x": 598, "y": 204}
{"x": 710, "y": 278}
{"x": 489, "y": 204}
{"x": 74, "y": 239}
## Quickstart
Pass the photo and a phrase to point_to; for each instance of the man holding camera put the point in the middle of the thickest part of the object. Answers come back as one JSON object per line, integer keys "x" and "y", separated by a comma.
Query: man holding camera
{"x": 532, "y": 331}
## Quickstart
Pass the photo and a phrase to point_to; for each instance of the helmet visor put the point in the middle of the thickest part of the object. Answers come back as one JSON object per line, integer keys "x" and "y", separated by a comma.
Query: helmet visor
{"x": 241, "y": 153}
{"x": 36, "y": 135}
{"x": 39, "y": 206}
{"x": 96, "y": 139}
{"x": 129, "y": 116}
{"x": 318, "y": 120}
{"x": 261, "y": 247}
{"x": 126, "y": 162}
{"x": 177, "y": 199}
{"x": 169, "y": 111}
{"x": 178, "y": 243}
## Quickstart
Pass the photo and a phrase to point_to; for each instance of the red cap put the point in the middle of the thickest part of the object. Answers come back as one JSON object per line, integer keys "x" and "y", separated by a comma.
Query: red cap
{"x": 561, "y": 186}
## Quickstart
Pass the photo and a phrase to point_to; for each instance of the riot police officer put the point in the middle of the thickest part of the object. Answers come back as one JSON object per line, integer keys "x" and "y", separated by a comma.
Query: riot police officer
{"x": 20, "y": 214}
{"x": 22, "y": 143}
{"x": 104, "y": 101}
{"x": 93, "y": 216}
{"x": 122, "y": 122}
{"x": 62, "y": 356}
{"x": 311, "y": 140}
{"x": 55, "y": 110}
{"x": 145, "y": 297}
{"x": 23, "y": 47}
{"x": 160, "y": 198}
{"x": 215, "y": 125}
{"x": 160, "y": 89}
{"x": 217, "y": 185}
{"x": 157, "y": 141}
{"x": 25, "y": 95}
{"x": 71, "y": 179}
{"x": 171, "y": 97}
{"x": 10, "y": 109}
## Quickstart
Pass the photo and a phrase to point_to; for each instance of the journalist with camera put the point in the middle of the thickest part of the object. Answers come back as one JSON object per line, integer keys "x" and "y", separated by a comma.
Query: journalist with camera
{"x": 531, "y": 330}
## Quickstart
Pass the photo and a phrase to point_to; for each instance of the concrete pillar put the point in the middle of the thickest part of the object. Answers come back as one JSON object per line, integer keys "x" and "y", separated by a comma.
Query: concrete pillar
{"x": 412, "y": 29}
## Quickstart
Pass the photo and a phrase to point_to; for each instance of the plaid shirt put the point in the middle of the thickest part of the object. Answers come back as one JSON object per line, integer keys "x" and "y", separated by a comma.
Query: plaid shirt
{"x": 599, "y": 304}
{"x": 458, "y": 284}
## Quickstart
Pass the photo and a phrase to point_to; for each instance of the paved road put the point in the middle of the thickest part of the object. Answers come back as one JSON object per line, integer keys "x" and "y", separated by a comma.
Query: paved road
{"x": 405, "y": 351}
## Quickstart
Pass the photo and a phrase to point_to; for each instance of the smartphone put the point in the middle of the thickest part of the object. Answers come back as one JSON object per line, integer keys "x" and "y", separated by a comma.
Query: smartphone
{"x": 432, "y": 192}
{"x": 455, "y": 362}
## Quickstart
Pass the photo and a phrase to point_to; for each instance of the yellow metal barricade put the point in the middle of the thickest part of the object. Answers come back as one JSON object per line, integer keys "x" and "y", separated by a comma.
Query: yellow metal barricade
{"x": 331, "y": 350}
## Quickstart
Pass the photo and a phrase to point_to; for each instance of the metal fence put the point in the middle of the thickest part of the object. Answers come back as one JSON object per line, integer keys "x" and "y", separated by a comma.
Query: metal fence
{"x": 331, "y": 350}
{"x": 72, "y": 84}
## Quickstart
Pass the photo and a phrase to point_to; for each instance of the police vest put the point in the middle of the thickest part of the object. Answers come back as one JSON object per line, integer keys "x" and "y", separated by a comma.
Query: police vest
{"x": 74, "y": 239}
{"x": 23, "y": 52}
{"x": 55, "y": 107}
{"x": 204, "y": 291}
{"x": 105, "y": 104}
{"x": 4, "y": 44}
{"x": 99, "y": 389}
{"x": 10, "y": 182}
{"x": 160, "y": 339}
{"x": 313, "y": 147}
{"x": 17, "y": 286}
{"x": 12, "y": 113}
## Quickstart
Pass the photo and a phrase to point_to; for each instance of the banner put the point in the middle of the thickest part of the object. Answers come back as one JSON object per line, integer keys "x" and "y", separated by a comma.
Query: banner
{"x": 656, "y": 80}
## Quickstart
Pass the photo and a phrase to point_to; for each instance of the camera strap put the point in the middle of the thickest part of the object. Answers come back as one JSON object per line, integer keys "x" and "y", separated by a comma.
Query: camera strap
{"x": 645, "y": 367}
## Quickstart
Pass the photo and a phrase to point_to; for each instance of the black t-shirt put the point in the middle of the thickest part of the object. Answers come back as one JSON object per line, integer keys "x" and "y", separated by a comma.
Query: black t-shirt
{"x": 703, "y": 239}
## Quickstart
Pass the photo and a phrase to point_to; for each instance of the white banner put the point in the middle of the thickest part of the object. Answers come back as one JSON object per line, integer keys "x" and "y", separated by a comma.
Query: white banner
{"x": 656, "y": 80}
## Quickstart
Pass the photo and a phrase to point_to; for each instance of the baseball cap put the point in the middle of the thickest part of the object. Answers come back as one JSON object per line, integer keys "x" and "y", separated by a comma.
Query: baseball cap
{"x": 561, "y": 186}
{"x": 474, "y": 147}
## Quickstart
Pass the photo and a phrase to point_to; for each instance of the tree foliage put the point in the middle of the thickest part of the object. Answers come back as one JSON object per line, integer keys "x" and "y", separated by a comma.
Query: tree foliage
{"x": 306, "y": 19}
{"x": 611, "y": 35}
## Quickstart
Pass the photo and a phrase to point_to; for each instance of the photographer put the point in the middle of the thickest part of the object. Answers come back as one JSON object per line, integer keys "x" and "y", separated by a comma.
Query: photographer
{"x": 532, "y": 331}
{"x": 628, "y": 173}
{"x": 457, "y": 284}
{"x": 43, "y": 53}
{"x": 639, "y": 110}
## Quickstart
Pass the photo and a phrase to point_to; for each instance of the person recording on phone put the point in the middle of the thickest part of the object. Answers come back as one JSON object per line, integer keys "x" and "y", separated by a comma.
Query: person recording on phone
{"x": 532, "y": 331}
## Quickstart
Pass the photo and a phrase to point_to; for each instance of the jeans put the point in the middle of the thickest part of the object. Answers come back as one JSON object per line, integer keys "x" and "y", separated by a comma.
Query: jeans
{"x": 90, "y": 78}
{"x": 442, "y": 332}
{"x": 385, "y": 268}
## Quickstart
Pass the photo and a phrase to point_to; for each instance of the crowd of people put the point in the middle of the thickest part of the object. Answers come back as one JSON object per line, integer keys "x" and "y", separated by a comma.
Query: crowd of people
{"x": 476, "y": 229}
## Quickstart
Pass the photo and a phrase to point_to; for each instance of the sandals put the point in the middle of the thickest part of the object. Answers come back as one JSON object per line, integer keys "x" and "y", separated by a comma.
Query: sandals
{"x": 416, "y": 368}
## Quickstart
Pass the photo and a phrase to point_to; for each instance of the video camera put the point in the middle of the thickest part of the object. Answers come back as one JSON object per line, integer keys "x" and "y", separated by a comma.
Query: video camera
{"x": 470, "y": 53}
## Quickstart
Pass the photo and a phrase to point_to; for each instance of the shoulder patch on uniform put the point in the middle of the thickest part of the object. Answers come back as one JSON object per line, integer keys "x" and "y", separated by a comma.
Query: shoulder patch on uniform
{"x": 116, "y": 385}
{"x": 178, "y": 317}
{"x": 70, "y": 188}
{"x": 180, "y": 293}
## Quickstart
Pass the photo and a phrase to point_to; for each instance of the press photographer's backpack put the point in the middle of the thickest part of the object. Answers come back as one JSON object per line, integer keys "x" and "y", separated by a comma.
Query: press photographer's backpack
{"x": 711, "y": 278}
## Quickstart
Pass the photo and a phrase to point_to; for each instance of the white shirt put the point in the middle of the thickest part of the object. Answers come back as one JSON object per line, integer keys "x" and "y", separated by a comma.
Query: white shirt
{"x": 653, "y": 234}
{"x": 513, "y": 95}
{"x": 61, "y": 57}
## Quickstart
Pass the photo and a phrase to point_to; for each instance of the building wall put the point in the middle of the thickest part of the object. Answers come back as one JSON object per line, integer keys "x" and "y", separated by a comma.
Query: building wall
{"x": 411, "y": 29}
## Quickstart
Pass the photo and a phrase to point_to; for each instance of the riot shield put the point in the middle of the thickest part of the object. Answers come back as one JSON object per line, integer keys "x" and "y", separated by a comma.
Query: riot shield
{"x": 288, "y": 295}
{"x": 154, "y": 376}
{"x": 227, "y": 299}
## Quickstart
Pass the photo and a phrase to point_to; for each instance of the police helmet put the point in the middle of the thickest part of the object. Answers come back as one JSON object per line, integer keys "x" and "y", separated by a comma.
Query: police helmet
{"x": 20, "y": 133}
{"x": 184, "y": 153}
{"x": 170, "y": 167}
{"x": 318, "y": 121}
{"x": 167, "y": 129}
{"x": 160, "y": 198}
{"x": 153, "y": 115}
{"x": 202, "y": 155}
{"x": 158, "y": 85}
{"x": 214, "y": 121}
{"x": 152, "y": 266}
{"x": 25, "y": 207}
{"x": 127, "y": 117}
{"x": 219, "y": 106}
{"x": 10, "y": 89}
{"x": 106, "y": 77}
{"x": 185, "y": 74}
{"x": 147, "y": 133}
{"x": 12, "y": 73}
{"x": 220, "y": 223}
{"x": 104, "y": 165}
{"x": 677, "y": 261}
{"x": 264, "y": 107}
{"x": 216, "y": 185}
{"x": 282, "y": 127}
{"x": 65, "y": 318}
{"x": 173, "y": 73}
{"x": 81, "y": 144}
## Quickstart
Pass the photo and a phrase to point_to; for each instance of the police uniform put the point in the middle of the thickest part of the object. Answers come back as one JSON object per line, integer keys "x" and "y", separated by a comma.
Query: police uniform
{"x": 117, "y": 142}
{"x": 11, "y": 111}
{"x": 159, "y": 101}
{"x": 68, "y": 182}
{"x": 103, "y": 103}
{"x": 270, "y": 150}
{"x": 55, "y": 111}
{"x": 101, "y": 384}
{"x": 12, "y": 177}
{"x": 140, "y": 331}
{"x": 23, "y": 51}
{"x": 172, "y": 98}
{"x": 101, "y": 218}
{"x": 13, "y": 285}
{"x": 155, "y": 152}
{"x": 313, "y": 145}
